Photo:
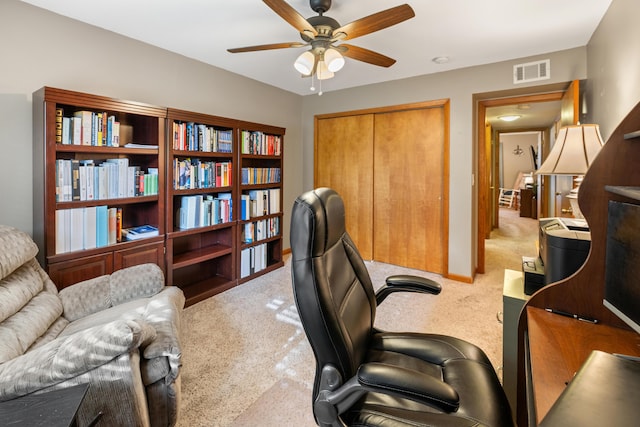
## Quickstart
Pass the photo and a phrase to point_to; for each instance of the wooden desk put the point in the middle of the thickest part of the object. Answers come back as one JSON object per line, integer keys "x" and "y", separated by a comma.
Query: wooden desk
{"x": 560, "y": 345}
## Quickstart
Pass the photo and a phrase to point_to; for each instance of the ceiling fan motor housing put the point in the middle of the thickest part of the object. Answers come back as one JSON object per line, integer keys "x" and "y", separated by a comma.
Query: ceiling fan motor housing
{"x": 320, "y": 6}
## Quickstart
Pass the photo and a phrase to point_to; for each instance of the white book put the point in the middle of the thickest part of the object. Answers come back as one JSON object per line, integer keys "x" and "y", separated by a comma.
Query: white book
{"x": 245, "y": 263}
{"x": 76, "y": 231}
{"x": 103, "y": 182}
{"x": 131, "y": 180}
{"x": 188, "y": 212}
{"x": 86, "y": 125}
{"x": 67, "y": 187}
{"x": 76, "y": 131}
{"x": 66, "y": 130}
{"x": 83, "y": 182}
{"x": 60, "y": 180}
{"x": 89, "y": 225}
{"x": 90, "y": 167}
{"x": 61, "y": 231}
{"x": 274, "y": 200}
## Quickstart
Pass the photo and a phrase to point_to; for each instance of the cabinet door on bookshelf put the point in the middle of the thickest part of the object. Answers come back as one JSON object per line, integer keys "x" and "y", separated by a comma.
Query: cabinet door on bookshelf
{"x": 67, "y": 273}
{"x": 148, "y": 253}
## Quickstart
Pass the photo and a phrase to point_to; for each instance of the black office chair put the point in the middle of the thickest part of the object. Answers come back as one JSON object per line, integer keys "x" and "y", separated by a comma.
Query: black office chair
{"x": 368, "y": 377}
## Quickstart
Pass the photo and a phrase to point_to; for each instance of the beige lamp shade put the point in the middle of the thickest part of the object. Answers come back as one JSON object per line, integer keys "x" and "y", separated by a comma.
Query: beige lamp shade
{"x": 575, "y": 149}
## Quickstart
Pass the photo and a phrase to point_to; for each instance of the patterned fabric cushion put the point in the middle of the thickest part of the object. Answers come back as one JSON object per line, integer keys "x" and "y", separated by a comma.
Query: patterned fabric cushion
{"x": 16, "y": 248}
{"x": 135, "y": 282}
{"x": 26, "y": 310}
{"x": 85, "y": 298}
{"x": 17, "y": 289}
{"x": 71, "y": 355}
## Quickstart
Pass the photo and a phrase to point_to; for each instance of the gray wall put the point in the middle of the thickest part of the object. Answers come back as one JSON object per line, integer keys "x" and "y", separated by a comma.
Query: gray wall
{"x": 613, "y": 66}
{"x": 39, "y": 48}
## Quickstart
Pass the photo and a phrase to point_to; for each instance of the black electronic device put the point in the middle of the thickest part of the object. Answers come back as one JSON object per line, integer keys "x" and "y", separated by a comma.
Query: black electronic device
{"x": 533, "y": 274}
{"x": 564, "y": 246}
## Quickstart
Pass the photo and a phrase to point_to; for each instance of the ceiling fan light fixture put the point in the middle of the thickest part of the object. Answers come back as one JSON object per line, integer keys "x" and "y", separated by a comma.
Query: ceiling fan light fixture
{"x": 304, "y": 63}
{"x": 323, "y": 72}
{"x": 333, "y": 59}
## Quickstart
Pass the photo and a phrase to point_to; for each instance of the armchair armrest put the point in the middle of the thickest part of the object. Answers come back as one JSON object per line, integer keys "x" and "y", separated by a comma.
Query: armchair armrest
{"x": 70, "y": 356}
{"x": 380, "y": 378}
{"x": 407, "y": 283}
{"x": 93, "y": 295}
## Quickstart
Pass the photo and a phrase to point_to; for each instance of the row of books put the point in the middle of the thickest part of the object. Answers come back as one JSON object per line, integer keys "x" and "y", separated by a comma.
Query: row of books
{"x": 257, "y": 203}
{"x": 198, "y": 137}
{"x": 260, "y": 230}
{"x": 204, "y": 210}
{"x": 195, "y": 173}
{"x": 94, "y": 227}
{"x": 260, "y": 175}
{"x": 88, "y": 128}
{"x": 256, "y": 142}
{"x": 253, "y": 260}
{"x": 80, "y": 180}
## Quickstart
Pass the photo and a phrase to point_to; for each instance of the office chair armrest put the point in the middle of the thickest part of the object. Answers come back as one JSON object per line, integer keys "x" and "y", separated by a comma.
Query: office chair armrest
{"x": 407, "y": 283}
{"x": 379, "y": 378}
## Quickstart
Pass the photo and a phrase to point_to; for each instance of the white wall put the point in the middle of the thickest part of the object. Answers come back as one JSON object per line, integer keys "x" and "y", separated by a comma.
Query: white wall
{"x": 39, "y": 48}
{"x": 512, "y": 164}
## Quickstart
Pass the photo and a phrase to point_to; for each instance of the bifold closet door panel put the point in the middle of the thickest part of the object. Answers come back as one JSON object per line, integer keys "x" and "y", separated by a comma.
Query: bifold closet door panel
{"x": 344, "y": 161}
{"x": 409, "y": 156}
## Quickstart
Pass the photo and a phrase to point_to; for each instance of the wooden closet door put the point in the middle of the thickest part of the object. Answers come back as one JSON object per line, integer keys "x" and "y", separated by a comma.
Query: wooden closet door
{"x": 409, "y": 185}
{"x": 343, "y": 161}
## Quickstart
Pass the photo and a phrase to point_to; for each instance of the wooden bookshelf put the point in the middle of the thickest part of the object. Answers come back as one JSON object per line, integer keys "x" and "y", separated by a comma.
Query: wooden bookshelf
{"x": 261, "y": 175}
{"x": 139, "y": 123}
{"x": 201, "y": 249}
{"x": 198, "y": 161}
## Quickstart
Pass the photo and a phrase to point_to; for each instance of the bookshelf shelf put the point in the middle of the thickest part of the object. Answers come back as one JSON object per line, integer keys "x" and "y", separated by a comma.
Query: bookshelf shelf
{"x": 199, "y": 255}
{"x": 107, "y": 150}
{"x": 78, "y": 148}
{"x": 206, "y": 288}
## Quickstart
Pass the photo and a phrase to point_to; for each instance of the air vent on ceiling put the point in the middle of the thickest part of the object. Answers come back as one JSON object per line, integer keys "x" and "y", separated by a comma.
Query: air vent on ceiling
{"x": 532, "y": 71}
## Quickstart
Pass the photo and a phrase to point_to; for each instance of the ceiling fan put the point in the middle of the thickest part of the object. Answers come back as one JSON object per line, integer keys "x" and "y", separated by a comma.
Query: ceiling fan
{"x": 322, "y": 32}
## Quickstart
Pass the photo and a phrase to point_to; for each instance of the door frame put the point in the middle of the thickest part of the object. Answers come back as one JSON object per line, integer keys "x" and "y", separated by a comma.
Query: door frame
{"x": 483, "y": 165}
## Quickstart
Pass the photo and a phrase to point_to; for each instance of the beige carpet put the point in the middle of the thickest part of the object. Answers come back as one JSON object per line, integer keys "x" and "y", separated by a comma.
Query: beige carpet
{"x": 246, "y": 359}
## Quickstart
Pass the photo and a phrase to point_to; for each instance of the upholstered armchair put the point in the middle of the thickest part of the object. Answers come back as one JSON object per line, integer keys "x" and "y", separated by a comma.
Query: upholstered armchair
{"x": 119, "y": 333}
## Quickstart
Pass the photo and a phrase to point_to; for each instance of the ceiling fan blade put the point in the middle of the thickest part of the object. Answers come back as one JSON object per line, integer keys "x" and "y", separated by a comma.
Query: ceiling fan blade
{"x": 375, "y": 22}
{"x": 290, "y": 15}
{"x": 266, "y": 47}
{"x": 366, "y": 55}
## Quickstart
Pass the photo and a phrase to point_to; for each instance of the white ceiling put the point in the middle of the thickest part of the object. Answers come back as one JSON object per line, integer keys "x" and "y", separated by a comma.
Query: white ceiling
{"x": 469, "y": 32}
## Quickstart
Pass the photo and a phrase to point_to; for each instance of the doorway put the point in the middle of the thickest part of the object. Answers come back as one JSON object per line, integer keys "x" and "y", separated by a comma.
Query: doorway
{"x": 487, "y": 170}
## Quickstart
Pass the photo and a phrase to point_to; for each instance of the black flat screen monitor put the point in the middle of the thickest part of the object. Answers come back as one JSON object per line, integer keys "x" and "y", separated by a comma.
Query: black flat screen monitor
{"x": 622, "y": 268}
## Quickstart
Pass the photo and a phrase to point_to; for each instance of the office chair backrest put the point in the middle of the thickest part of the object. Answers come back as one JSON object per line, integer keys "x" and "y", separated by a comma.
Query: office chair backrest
{"x": 332, "y": 287}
